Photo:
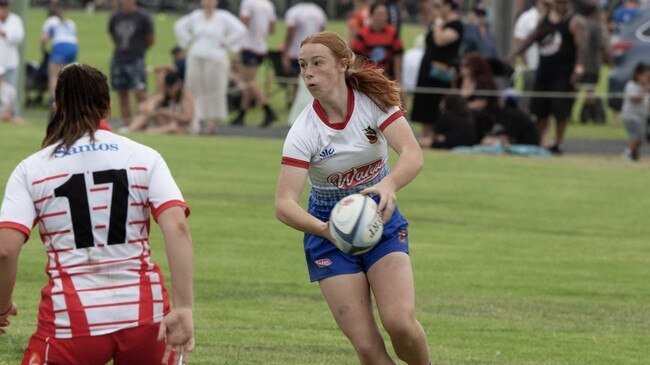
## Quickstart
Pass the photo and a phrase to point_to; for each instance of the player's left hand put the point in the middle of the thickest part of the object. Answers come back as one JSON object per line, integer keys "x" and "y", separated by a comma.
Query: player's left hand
{"x": 387, "y": 199}
{"x": 177, "y": 328}
{"x": 4, "y": 319}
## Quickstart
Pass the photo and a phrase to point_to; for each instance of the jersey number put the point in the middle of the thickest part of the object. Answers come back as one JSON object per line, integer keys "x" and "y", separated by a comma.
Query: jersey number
{"x": 75, "y": 191}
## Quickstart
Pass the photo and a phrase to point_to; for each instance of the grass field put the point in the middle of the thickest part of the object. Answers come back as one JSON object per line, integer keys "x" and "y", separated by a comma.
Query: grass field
{"x": 516, "y": 260}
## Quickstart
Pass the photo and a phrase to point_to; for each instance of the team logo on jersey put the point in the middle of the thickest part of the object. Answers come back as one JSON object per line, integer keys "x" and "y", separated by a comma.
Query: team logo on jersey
{"x": 402, "y": 234}
{"x": 323, "y": 263}
{"x": 357, "y": 175}
{"x": 328, "y": 152}
{"x": 371, "y": 135}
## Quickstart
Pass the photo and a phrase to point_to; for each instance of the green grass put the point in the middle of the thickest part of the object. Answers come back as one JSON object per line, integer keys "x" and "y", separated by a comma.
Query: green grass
{"x": 516, "y": 260}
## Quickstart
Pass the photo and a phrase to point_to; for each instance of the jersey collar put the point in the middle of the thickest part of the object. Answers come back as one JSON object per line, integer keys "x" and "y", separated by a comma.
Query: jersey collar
{"x": 323, "y": 116}
{"x": 103, "y": 125}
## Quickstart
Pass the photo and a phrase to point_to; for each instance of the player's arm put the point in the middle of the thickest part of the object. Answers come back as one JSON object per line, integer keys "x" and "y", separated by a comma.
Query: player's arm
{"x": 287, "y": 203}
{"x": 11, "y": 242}
{"x": 578, "y": 28}
{"x": 177, "y": 327}
{"x": 400, "y": 137}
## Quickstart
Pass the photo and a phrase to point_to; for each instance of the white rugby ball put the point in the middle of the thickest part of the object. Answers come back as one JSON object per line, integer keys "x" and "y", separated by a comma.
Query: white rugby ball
{"x": 355, "y": 224}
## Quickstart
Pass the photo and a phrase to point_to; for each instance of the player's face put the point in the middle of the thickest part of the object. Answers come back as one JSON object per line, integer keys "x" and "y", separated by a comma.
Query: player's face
{"x": 380, "y": 16}
{"x": 320, "y": 70}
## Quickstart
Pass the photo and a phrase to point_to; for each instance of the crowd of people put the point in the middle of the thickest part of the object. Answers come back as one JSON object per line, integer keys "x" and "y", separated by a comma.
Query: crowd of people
{"x": 558, "y": 48}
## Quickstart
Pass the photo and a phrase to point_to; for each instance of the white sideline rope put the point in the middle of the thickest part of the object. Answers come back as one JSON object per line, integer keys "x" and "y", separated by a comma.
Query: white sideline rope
{"x": 495, "y": 93}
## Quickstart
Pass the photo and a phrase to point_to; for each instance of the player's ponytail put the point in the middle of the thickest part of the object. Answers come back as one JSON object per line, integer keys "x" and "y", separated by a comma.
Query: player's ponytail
{"x": 82, "y": 99}
{"x": 372, "y": 82}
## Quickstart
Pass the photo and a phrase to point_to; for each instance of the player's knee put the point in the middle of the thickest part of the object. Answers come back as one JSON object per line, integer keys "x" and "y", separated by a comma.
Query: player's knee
{"x": 402, "y": 325}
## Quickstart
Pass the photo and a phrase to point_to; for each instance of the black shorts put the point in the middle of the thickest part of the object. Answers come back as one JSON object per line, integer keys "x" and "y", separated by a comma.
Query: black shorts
{"x": 251, "y": 59}
{"x": 560, "y": 108}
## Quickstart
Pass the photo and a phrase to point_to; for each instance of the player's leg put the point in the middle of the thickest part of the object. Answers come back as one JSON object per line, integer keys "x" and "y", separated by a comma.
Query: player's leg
{"x": 348, "y": 297}
{"x": 391, "y": 280}
{"x": 89, "y": 350}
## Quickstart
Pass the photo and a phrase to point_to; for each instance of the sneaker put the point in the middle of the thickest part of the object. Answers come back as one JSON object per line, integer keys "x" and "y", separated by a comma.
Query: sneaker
{"x": 628, "y": 156}
{"x": 237, "y": 122}
{"x": 269, "y": 118}
{"x": 556, "y": 149}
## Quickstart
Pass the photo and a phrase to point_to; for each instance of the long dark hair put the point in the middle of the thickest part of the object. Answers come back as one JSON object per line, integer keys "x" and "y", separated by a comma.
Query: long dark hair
{"x": 82, "y": 99}
{"x": 372, "y": 82}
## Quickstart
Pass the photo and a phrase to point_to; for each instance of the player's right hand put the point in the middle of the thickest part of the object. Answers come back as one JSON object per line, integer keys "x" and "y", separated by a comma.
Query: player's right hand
{"x": 4, "y": 319}
{"x": 177, "y": 328}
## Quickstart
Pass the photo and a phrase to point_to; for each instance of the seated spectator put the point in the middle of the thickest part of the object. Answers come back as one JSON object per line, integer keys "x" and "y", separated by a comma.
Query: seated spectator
{"x": 167, "y": 112}
{"x": 454, "y": 126}
{"x": 8, "y": 97}
{"x": 177, "y": 65}
{"x": 514, "y": 126}
{"x": 476, "y": 77}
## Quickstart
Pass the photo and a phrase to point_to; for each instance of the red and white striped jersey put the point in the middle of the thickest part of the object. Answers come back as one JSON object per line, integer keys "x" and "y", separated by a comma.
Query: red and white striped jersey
{"x": 342, "y": 158}
{"x": 92, "y": 203}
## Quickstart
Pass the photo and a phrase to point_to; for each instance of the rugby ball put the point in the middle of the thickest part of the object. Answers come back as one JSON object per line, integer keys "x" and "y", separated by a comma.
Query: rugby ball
{"x": 355, "y": 224}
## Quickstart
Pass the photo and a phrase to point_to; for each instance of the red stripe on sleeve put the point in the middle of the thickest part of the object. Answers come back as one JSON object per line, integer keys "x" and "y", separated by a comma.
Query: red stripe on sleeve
{"x": 18, "y": 227}
{"x": 295, "y": 162}
{"x": 391, "y": 119}
{"x": 172, "y": 203}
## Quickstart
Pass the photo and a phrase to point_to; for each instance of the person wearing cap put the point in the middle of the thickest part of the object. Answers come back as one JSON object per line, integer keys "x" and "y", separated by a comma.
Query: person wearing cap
{"x": 12, "y": 34}
{"x": 167, "y": 112}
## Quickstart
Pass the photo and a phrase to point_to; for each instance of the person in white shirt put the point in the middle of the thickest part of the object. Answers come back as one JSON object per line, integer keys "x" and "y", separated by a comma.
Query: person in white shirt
{"x": 340, "y": 143}
{"x": 92, "y": 194}
{"x": 259, "y": 17}
{"x": 61, "y": 32}
{"x": 8, "y": 96}
{"x": 208, "y": 34}
{"x": 525, "y": 25}
{"x": 301, "y": 20}
{"x": 12, "y": 35}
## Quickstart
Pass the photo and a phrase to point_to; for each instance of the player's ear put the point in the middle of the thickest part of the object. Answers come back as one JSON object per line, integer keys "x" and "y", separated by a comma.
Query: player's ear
{"x": 343, "y": 65}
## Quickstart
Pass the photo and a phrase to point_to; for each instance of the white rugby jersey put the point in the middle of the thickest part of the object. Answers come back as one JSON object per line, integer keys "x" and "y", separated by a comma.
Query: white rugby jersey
{"x": 92, "y": 203}
{"x": 342, "y": 158}
{"x": 260, "y": 15}
{"x": 306, "y": 19}
{"x": 60, "y": 30}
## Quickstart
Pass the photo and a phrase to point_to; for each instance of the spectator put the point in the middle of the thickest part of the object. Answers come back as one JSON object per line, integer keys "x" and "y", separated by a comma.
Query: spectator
{"x": 410, "y": 68}
{"x": 209, "y": 33}
{"x": 455, "y": 126}
{"x": 476, "y": 78}
{"x": 61, "y": 33}
{"x": 623, "y": 15}
{"x": 177, "y": 65}
{"x": 596, "y": 53}
{"x": 132, "y": 32}
{"x": 437, "y": 69}
{"x": 514, "y": 125}
{"x": 8, "y": 97}
{"x": 477, "y": 36}
{"x": 167, "y": 112}
{"x": 301, "y": 21}
{"x": 561, "y": 39}
{"x": 359, "y": 18}
{"x": 379, "y": 43}
{"x": 92, "y": 194}
{"x": 524, "y": 27}
{"x": 259, "y": 16}
{"x": 636, "y": 109}
{"x": 12, "y": 34}
{"x": 394, "y": 14}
